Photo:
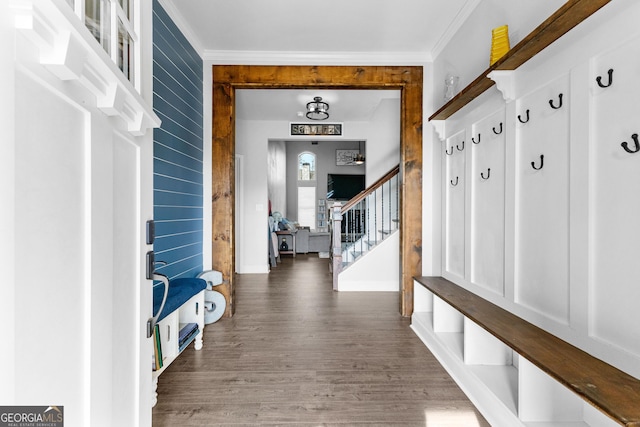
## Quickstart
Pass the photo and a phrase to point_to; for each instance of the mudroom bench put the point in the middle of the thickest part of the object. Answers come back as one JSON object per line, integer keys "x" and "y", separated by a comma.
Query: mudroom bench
{"x": 517, "y": 372}
{"x": 180, "y": 323}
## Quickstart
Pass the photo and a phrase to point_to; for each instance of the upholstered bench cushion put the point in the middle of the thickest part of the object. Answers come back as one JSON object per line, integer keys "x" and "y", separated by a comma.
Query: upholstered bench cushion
{"x": 180, "y": 291}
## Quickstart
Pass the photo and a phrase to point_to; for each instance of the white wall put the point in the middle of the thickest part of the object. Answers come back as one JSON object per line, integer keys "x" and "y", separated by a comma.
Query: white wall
{"x": 7, "y": 213}
{"x": 383, "y": 139}
{"x": 252, "y": 143}
{"x": 277, "y": 176}
{"x": 366, "y": 275}
{"x": 467, "y": 53}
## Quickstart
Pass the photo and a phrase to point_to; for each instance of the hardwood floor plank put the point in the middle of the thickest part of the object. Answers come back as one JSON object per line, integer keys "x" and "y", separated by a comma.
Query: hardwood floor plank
{"x": 298, "y": 354}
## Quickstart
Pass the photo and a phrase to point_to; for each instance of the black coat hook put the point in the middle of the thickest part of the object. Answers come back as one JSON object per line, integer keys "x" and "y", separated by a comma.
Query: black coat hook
{"x": 533, "y": 165}
{"x": 520, "y": 117}
{"x": 559, "y": 104}
{"x": 599, "y": 79}
{"x": 452, "y": 184}
{"x": 449, "y": 153}
{"x": 474, "y": 141}
{"x": 458, "y": 148}
{"x": 488, "y": 174}
{"x": 635, "y": 140}
{"x": 497, "y": 132}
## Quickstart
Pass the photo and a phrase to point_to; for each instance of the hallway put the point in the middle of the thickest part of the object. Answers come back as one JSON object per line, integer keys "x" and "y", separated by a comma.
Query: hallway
{"x": 297, "y": 353}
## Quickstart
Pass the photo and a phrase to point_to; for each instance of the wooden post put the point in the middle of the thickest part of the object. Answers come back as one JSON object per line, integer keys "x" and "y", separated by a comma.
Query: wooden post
{"x": 336, "y": 249}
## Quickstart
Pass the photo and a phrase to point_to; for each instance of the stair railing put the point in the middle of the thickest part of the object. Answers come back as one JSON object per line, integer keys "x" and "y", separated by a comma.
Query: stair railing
{"x": 364, "y": 221}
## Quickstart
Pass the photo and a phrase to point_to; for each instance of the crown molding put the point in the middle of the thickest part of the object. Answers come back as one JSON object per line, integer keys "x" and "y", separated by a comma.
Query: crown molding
{"x": 454, "y": 27}
{"x": 182, "y": 25}
{"x": 226, "y": 57}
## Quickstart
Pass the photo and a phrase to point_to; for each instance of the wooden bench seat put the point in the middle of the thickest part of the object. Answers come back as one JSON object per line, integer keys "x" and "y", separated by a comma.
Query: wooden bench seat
{"x": 609, "y": 389}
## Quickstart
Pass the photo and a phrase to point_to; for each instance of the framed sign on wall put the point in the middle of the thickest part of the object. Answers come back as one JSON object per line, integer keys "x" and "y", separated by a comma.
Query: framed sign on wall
{"x": 345, "y": 157}
{"x": 329, "y": 129}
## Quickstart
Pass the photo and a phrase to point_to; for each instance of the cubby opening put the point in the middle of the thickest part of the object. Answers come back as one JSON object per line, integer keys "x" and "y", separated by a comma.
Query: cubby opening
{"x": 544, "y": 402}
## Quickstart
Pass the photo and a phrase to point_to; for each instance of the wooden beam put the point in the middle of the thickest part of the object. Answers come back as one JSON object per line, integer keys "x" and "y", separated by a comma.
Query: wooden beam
{"x": 562, "y": 21}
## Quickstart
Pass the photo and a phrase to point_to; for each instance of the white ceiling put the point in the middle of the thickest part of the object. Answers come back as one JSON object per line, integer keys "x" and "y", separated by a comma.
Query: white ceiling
{"x": 287, "y": 104}
{"x": 398, "y": 31}
{"x": 411, "y": 26}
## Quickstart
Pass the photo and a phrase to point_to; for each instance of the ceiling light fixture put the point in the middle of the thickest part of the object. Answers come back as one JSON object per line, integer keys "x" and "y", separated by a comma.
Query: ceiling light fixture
{"x": 317, "y": 109}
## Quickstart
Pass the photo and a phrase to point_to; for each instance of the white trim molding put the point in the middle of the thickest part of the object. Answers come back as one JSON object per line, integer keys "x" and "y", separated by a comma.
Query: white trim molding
{"x": 224, "y": 57}
{"x": 439, "y": 126}
{"x": 505, "y": 82}
{"x": 453, "y": 28}
{"x": 68, "y": 51}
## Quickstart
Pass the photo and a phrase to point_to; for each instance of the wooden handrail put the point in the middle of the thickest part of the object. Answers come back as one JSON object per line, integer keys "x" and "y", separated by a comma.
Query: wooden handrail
{"x": 364, "y": 193}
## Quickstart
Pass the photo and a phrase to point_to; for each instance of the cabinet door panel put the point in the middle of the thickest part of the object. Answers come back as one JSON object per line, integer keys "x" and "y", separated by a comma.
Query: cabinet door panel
{"x": 542, "y": 201}
{"x": 615, "y": 198}
{"x": 455, "y": 204}
{"x": 487, "y": 201}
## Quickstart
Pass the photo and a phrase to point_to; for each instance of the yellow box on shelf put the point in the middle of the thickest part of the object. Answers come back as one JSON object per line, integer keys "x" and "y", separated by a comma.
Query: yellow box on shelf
{"x": 499, "y": 43}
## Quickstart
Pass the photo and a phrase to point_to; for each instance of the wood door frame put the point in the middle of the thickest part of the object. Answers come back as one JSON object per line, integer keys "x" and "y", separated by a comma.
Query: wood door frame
{"x": 227, "y": 78}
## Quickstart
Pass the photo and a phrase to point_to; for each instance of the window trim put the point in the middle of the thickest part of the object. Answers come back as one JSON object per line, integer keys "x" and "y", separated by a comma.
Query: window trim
{"x": 70, "y": 52}
{"x": 313, "y": 172}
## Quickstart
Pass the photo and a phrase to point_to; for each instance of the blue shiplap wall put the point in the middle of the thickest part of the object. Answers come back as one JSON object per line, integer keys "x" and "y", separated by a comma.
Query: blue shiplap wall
{"x": 177, "y": 149}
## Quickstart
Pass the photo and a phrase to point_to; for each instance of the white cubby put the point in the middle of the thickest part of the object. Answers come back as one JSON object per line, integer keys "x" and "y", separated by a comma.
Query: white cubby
{"x": 422, "y": 299}
{"x": 544, "y": 402}
{"x": 191, "y": 311}
{"x": 507, "y": 388}
{"x": 482, "y": 348}
{"x": 492, "y": 362}
{"x": 448, "y": 325}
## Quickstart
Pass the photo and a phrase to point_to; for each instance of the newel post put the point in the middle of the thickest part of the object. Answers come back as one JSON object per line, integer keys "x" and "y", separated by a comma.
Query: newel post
{"x": 336, "y": 249}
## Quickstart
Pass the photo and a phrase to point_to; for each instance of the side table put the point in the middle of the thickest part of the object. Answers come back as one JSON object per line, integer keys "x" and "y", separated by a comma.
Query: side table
{"x": 292, "y": 245}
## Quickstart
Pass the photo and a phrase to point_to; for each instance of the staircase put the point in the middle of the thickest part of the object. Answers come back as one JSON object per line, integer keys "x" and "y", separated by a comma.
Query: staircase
{"x": 364, "y": 222}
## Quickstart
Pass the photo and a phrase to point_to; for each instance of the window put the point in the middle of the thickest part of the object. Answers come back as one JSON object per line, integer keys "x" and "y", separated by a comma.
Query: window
{"x": 307, "y": 189}
{"x": 307, "y": 207}
{"x": 306, "y": 167}
{"x": 110, "y": 23}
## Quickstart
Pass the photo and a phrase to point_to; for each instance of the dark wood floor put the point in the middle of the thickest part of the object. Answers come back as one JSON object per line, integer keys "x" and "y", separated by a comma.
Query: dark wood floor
{"x": 297, "y": 353}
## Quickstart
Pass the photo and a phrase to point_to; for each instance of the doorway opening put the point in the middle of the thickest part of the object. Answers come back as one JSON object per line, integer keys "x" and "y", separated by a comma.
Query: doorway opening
{"x": 227, "y": 79}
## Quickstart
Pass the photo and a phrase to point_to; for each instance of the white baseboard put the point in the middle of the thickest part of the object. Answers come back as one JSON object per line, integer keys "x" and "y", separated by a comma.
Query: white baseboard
{"x": 368, "y": 286}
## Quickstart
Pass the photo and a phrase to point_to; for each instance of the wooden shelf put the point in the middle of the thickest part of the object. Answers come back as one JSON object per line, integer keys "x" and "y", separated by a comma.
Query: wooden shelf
{"x": 564, "y": 19}
{"x": 607, "y": 388}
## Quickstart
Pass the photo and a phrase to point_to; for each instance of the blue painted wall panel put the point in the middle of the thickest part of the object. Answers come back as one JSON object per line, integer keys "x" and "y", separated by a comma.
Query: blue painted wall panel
{"x": 166, "y": 198}
{"x": 171, "y": 213}
{"x": 178, "y": 145}
{"x": 178, "y": 98}
{"x": 174, "y": 184}
{"x": 167, "y": 146}
{"x": 178, "y": 121}
{"x": 176, "y": 227}
{"x": 164, "y": 167}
